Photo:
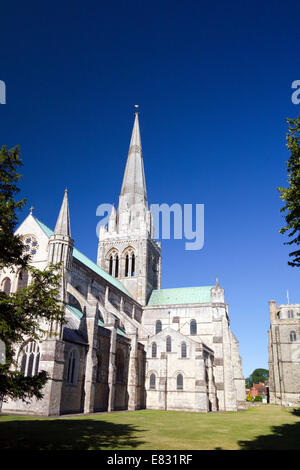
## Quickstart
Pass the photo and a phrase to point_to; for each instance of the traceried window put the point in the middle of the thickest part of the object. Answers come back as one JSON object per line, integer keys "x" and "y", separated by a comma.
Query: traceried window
{"x": 31, "y": 244}
{"x": 193, "y": 327}
{"x": 30, "y": 359}
{"x": 152, "y": 381}
{"x": 158, "y": 327}
{"x": 6, "y": 285}
{"x": 183, "y": 350}
{"x": 113, "y": 263}
{"x": 293, "y": 336}
{"x": 154, "y": 350}
{"x": 168, "y": 344}
{"x": 129, "y": 262}
{"x": 73, "y": 364}
{"x": 290, "y": 314}
{"x": 22, "y": 279}
{"x": 179, "y": 382}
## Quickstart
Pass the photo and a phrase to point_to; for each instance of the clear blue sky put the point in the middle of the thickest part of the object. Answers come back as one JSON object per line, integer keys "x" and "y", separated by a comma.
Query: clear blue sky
{"x": 213, "y": 81}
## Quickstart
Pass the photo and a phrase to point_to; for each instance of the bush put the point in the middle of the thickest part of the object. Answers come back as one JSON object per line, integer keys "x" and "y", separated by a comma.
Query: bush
{"x": 258, "y": 398}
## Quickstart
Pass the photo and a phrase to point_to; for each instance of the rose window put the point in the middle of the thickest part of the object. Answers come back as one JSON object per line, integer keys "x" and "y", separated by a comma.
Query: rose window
{"x": 31, "y": 244}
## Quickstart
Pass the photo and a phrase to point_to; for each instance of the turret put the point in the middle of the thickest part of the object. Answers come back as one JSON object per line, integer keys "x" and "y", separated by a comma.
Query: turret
{"x": 60, "y": 243}
{"x": 217, "y": 293}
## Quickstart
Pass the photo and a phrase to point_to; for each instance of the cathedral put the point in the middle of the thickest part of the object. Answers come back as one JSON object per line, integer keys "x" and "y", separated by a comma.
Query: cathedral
{"x": 127, "y": 343}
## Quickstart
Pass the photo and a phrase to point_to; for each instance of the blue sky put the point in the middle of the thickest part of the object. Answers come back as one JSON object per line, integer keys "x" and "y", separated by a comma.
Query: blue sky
{"x": 213, "y": 81}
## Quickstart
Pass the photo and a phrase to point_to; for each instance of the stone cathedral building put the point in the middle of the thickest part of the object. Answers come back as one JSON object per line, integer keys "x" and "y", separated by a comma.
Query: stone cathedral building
{"x": 284, "y": 354}
{"x": 127, "y": 343}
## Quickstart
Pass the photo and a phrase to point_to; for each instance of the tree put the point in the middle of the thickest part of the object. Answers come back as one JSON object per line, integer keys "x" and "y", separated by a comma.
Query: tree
{"x": 27, "y": 313}
{"x": 258, "y": 375}
{"x": 291, "y": 194}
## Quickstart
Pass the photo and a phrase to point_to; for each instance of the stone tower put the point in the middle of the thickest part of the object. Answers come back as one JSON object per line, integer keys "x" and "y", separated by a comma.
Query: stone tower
{"x": 60, "y": 248}
{"x": 126, "y": 248}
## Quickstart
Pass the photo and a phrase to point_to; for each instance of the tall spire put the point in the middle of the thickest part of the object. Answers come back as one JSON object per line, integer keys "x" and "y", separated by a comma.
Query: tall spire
{"x": 134, "y": 186}
{"x": 63, "y": 222}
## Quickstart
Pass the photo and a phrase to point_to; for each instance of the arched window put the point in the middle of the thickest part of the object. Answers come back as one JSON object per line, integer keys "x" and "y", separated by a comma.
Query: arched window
{"x": 168, "y": 344}
{"x": 290, "y": 314}
{"x": 6, "y": 286}
{"x": 154, "y": 350}
{"x": 193, "y": 327}
{"x": 30, "y": 359}
{"x": 72, "y": 372}
{"x": 132, "y": 265}
{"x": 130, "y": 262}
{"x": 126, "y": 266}
{"x": 183, "y": 349}
{"x": 22, "y": 279}
{"x": 152, "y": 381}
{"x": 120, "y": 367}
{"x": 293, "y": 336}
{"x": 158, "y": 327}
{"x": 179, "y": 382}
{"x": 113, "y": 262}
{"x": 117, "y": 267}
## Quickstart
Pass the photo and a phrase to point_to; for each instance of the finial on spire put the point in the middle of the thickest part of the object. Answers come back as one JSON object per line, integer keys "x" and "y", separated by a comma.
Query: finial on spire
{"x": 136, "y": 108}
{"x": 31, "y": 210}
{"x": 217, "y": 281}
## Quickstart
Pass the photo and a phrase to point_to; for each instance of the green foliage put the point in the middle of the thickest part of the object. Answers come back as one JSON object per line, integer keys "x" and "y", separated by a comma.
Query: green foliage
{"x": 11, "y": 246}
{"x": 28, "y": 313}
{"x": 258, "y": 398}
{"x": 249, "y": 397}
{"x": 258, "y": 375}
{"x": 291, "y": 194}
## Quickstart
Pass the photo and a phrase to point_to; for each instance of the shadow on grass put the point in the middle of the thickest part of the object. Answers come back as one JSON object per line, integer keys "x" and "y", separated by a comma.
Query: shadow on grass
{"x": 285, "y": 437}
{"x": 67, "y": 434}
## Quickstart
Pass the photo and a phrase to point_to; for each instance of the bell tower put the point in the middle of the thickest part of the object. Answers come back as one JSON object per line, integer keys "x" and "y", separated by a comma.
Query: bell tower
{"x": 126, "y": 248}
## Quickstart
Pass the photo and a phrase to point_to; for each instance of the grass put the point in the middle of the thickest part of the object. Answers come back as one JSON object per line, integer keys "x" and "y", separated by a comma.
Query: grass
{"x": 262, "y": 427}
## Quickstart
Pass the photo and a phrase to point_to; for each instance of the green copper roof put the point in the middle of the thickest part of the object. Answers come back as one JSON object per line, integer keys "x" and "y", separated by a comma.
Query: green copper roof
{"x": 180, "y": 296}
{"x": 78, "y": 314}
{"x": 87, "y": 262}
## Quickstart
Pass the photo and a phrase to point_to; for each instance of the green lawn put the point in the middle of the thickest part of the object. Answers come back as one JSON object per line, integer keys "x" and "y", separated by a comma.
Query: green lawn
{"x": 263, "y": 427}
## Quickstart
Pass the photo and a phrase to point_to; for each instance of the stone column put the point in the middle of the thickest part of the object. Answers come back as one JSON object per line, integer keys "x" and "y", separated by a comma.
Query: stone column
{"x": 201, "y": 396}
{"x": 112, "y": 326}
{"x": 211, "y": 386}
{"x": 91, "y": 358}
{"x": 133, "y": 371}
{"x": 52, "y": 361}
{"x": 229, "y": 386}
